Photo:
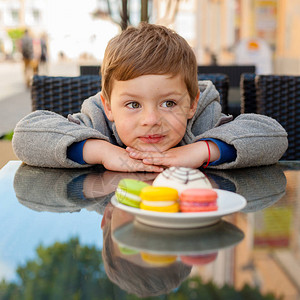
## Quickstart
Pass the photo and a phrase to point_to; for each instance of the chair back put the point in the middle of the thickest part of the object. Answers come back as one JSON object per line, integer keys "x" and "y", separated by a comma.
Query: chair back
{"x": 221, "y": 82}
{"x": 279, "y": 98}
{"x": 233, "y": 72}
{"x": 63, "y": 95}
{"x": 248, "y": 93}
{"x": 276, "y": 96}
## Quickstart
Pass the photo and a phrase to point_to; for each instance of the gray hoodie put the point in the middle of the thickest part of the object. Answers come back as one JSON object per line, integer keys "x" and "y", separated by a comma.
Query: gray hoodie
{"x": 42, "y": 137}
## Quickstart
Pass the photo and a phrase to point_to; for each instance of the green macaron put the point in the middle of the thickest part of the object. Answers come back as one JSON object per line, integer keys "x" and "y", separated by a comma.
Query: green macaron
{"x": 128, "y": 192}
{"x": 127, "y": 251}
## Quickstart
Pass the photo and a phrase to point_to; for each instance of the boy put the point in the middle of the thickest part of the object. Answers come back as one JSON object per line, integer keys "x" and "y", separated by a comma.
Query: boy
{"x": 149, "y": 115}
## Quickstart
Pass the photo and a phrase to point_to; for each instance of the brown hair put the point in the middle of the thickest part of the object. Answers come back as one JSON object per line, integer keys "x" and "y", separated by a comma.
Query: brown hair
{"x": 148, "y": 49}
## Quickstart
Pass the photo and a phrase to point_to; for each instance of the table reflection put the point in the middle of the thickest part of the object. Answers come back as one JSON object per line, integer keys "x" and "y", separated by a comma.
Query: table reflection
{"x": 125, "y": 267}
{"x": 246, "y": 253}
{"x": 148, "y": 261}
{"x": 62, "y": 190}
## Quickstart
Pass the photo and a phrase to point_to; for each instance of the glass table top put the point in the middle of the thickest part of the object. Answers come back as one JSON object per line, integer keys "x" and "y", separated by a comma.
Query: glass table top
{"x": 61, "y": 238}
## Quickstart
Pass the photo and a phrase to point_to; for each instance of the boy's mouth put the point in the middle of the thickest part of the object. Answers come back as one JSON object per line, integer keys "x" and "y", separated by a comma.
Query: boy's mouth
{"x": 152, "y": 139}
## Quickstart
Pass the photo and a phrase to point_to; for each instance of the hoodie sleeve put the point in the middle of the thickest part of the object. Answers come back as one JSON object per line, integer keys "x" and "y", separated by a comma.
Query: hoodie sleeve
{"x": 258, "y": 140}
{"x": 43, "y": 137}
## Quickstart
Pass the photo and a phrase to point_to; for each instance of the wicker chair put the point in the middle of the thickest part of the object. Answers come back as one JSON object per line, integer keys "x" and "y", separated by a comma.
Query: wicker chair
{"x": 64, "y": 95}
{"x": 221, "y": 83}
{"x": 248, "y": 93}
{"x": 278, "y": 97}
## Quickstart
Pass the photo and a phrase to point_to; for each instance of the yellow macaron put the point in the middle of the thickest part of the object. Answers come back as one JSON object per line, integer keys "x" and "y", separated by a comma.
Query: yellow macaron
{"x": 158, "y": 260}
{"x": 161, "y": 199}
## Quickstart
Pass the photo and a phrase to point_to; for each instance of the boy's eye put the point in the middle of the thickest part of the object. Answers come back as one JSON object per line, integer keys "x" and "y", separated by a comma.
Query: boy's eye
{"x": 168, "y": 104}
{"x": 133, "y": 105}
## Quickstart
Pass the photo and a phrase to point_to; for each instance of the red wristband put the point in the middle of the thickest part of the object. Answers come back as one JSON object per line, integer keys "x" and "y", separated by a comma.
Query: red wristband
{"x": 208, "y": 148}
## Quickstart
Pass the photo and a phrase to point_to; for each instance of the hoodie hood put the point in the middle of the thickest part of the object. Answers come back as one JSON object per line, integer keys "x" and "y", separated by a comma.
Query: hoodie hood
{"x": 209, "y": 101}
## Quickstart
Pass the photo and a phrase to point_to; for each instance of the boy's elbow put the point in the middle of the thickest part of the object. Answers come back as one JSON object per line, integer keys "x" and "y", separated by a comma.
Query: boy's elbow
{"x": 19, "y": 147}
{"x": 284, "y": 145}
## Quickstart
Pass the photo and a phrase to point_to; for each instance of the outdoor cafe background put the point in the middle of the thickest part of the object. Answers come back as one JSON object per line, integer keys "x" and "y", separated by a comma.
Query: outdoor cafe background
{"x": 214, "y": 28}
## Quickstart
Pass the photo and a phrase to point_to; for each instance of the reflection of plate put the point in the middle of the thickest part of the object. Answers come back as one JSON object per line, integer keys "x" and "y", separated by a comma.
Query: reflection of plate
{"x": 228, "y": 202}
{"x": 162, "y": 241}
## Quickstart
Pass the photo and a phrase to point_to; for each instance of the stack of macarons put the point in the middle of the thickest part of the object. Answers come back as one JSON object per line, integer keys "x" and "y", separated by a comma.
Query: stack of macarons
{"x": 175, "y": 189}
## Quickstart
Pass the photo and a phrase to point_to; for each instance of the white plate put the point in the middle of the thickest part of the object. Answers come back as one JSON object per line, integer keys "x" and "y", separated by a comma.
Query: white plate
{"x": 171, "y": 241}
{"x": 228, "y": 203}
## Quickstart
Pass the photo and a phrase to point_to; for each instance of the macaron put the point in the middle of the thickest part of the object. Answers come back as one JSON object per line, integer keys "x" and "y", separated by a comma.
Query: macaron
{"x": 127, "y": 251}
{"x": 198, "y": 260}
{"x": 181, "y": 178}
{"x": 157, "y": 259}
{"x": 198, "y": 200}
{"x": 161, "y": 199}
{"x": 128, "y": 192}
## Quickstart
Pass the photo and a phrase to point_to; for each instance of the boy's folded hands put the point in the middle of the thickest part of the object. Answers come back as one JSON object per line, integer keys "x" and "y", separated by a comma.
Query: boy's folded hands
{"x": 115, "y": 158}
{"x": 192, "y": 155}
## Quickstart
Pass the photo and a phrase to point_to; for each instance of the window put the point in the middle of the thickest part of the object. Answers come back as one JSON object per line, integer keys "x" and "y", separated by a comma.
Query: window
{"x": 36, "y": 14}
{"x": 15, "y": 16}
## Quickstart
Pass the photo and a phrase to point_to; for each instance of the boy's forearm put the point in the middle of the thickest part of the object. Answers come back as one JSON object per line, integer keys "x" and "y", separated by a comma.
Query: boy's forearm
{"x": 94, "y": 151}
{"x": 213, "y": 149}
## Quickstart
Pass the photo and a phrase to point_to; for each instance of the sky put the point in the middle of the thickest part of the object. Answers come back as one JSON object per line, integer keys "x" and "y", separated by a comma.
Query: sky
{"x": 23, "y": 229}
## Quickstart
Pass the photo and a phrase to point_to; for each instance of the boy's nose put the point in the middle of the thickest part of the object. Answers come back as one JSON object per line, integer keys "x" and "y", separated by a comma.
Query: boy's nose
{"x": 151, "y": 117}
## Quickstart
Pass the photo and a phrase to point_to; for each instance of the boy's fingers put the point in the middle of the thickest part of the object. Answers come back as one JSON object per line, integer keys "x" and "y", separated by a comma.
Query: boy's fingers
{"x": 155, "y": 169}
{"x": 158, "y": 161}
{"x": 140, "y": 166}
{"x": 150, "y": 168}
{"x": 143, "y": 155}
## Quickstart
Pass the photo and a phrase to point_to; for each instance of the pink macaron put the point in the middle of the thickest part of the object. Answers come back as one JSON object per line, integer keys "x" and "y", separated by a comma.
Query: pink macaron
{"x": 198, "y": 200}
{"x": 198, "y": 260}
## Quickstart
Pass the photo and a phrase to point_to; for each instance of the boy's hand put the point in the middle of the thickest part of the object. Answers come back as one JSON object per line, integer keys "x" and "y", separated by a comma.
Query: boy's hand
{"x": 114, "y": 158}
{"x": 191, "y": 156}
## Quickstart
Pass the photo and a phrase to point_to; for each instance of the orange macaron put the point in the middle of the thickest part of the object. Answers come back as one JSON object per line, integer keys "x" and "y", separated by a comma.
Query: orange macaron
{"x": 198, "y": 200}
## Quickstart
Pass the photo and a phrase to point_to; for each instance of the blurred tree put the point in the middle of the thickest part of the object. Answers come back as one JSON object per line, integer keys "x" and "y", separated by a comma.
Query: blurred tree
{"x": 72, "y": 271}
{"x": 120, "y": 12}
{"x": 15, "y": 35}
{"x": 61, "y": 271}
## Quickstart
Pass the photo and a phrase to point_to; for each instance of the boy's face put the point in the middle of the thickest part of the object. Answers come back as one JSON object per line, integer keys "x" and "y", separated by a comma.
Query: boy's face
{"x": 151, "y": 111}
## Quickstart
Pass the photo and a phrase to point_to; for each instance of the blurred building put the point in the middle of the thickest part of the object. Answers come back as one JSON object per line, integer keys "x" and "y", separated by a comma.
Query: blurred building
{"x": 15, "y": 16}
{"x": 214, "y": 28}
{"x": 21, "y": 14}
{"x": 287, "y": 55}
{"x": 69, "y": 25}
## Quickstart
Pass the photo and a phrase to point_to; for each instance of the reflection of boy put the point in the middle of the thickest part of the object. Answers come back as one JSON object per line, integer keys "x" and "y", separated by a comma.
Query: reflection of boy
{"x": 68, "y": 190}
{"x": 128, "y": 271}
{"x": 150, "y": 114}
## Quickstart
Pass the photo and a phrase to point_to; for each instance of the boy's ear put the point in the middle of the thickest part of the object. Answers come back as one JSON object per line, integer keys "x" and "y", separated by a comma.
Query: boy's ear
{"x": 194, "y": 105}
{"x": 107, "y": 108}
